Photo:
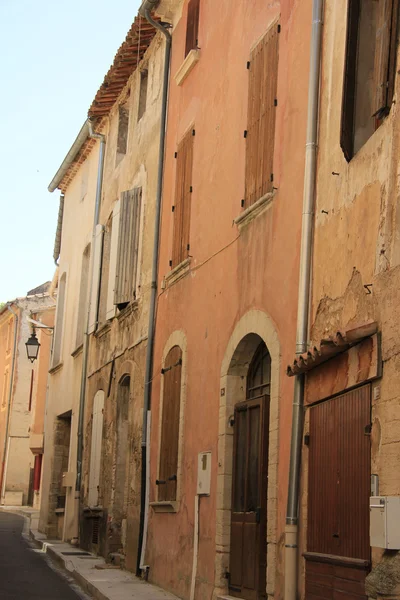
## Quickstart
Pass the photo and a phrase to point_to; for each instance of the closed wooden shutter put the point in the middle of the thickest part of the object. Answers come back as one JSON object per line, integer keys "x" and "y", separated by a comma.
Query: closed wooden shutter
{"x": 128, "y": 247}
{"x": 392, "y": 52}
{"x": 349, "y": 80}
{"x": 172, "y": 374}
{"x": 95, "y": 449}
{"x": 260, "y": 137}
{"x": 183, "y": 192}
{"x": 94, "y": 298}
{"x": 112, "y": 272}
{"x": 192, "y": 27}
{"x": 382, "y": 46}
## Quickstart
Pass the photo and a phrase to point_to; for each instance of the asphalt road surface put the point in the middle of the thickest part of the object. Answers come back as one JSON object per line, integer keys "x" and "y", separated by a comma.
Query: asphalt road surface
{"x": 26, "y": 574}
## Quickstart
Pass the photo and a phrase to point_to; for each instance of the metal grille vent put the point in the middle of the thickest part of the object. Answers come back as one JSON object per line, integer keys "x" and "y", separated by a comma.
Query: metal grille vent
{"x": 95, "y": 531}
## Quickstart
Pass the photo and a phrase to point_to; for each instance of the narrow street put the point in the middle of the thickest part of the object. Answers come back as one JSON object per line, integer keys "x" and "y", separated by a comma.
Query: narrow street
{"x": 25, "y": 573}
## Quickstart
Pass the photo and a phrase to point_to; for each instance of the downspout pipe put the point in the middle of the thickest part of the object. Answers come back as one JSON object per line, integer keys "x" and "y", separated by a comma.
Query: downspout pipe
{"x": 303, "y": 308}
{"x": 6, "y": 445}
{"x": 145, "y": 11}
{"x": 85, "y": 350}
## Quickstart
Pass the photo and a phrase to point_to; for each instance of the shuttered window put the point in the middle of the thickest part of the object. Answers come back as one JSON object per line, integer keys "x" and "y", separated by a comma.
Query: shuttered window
{"x": 172, "y": 373}
{"x": 183, "y": 193}
{"x": 128, "y": 247}
{"x": 94, "y": 298}
{"x": 112, "y": 271}
{"x": 260, "y": 134}
{"x": 192, "y": 27}
{"x": 95, "y": 449}
{"x": 369, "y": 70}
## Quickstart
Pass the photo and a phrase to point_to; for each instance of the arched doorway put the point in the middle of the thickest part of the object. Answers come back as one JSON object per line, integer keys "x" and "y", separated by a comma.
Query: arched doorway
{"x": 248, "y": 541}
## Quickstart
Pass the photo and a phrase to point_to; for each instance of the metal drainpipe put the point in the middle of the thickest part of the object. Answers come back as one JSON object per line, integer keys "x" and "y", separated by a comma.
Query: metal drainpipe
{"x": 5, "y": 449}
{"x": 145, "y": 10}
{"x": 85, "y": 352}
{"x": 303, "y": 307}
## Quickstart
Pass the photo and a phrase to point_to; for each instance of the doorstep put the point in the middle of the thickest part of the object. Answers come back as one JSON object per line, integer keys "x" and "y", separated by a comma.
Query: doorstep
{"x": 96, "y": 577}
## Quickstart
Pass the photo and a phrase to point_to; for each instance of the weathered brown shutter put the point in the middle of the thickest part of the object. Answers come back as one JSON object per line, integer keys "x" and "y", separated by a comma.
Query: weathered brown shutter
{"x": 192, "y": 27}
{"x": 128, "y": 246}
{"x": 382, "y": 47}
{"x": 260, "y": 135}
{"x": 392, "y": 52}
{"x": 349, "y": 80}
{"x": 170, "y": 425}
{"x": 183, "y": 192}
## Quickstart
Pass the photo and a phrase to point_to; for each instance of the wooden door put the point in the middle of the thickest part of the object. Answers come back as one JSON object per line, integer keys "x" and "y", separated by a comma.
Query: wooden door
{"x": 247, "y": 574}
{"x": 338, "y": 550}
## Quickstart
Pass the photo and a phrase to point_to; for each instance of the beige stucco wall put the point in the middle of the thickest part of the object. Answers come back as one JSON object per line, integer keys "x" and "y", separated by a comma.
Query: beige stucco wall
{"x": 357, "y": 243}
{"x": 19, "y": 458}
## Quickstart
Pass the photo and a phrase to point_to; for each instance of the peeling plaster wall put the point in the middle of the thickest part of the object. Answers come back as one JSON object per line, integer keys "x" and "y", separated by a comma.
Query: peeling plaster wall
{"x": 124, "y": 338}
{"x": 357, "y": 243}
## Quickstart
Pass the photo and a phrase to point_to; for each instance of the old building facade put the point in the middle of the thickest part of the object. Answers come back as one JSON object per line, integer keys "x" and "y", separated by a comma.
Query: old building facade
{"x": 110, "y": 309}
{"x": 23, "y": 387}
{"x": 226, "y": 313}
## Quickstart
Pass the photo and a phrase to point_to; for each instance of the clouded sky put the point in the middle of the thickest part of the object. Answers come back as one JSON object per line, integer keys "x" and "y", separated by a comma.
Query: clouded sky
{"x": 54, "y": 56}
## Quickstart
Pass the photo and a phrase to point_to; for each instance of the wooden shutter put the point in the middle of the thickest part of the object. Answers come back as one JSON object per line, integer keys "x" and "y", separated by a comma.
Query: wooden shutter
{"x": 349, "y": 80}
{"x": 192, "y": 27}
{"x": 94, "y": 298}
{"x": 183, "y": 191}
{"x": 170, "y": 425}
{"x": 110, "y": 307}
{"x": 382, "y": 46}
{"x": 392, "y": 52}
{"x": 128, "y": 246}
{"x": 95, "y": 451}
{"x": 260, "y": 136}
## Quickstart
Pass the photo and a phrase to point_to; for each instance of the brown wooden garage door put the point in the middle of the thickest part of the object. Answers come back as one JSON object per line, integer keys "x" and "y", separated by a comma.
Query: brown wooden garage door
{"x": 338, "y": 550}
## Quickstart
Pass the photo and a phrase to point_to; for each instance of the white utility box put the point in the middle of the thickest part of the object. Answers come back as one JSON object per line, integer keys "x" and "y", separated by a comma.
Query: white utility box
{"x": 385, "y": 522}
{"x": 204, "y": 474}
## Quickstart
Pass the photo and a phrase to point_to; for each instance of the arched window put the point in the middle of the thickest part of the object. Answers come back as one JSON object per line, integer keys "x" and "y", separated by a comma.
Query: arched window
{"x": 58, "y": 334}
{"x": 122, "y": 443}
{"x": 172, "y": 373}
{"x": 259, "y": 375}
{"x": 95, "y": 451}
{"x": 83, "y": 296}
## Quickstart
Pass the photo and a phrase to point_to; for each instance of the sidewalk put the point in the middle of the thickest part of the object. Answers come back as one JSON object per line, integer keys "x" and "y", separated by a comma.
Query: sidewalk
{"x": 99, "y": 579}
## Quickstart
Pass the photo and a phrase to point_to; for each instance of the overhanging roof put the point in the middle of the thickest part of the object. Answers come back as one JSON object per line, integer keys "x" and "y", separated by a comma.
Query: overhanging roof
{"x": 330, "y": 347}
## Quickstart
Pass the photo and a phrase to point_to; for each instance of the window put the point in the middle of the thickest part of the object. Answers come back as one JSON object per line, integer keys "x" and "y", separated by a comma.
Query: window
{"x": 122, "y": 443}
{"x": 144, "y": 78}
{"x": 369, "y": 70}
{"x": 192, "y": 27}
{"x": 183, "y": 191}
{"x": 83, "y": 296}
{"x": 58, "y": 333}
{"x": 105, "y": 270}
{"x": 126, "y": 273}
{"x": 260, "y": 134}
{"x": 123, "y": 124}
{"x": 172, "y": 373}
{"x": 94, "y": 299}
{"x": 95, "y": 449}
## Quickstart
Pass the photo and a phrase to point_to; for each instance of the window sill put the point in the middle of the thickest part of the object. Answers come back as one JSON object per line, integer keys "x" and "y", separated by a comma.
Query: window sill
{"x": 165, "y": 506}
{"x": 60, "y": 512}
{"x": 103, "y": 330}
{"x": 177, "y": 272}
{"x": 56, "y": 368}
{"x": 77, "y": 351}
{"x": 92, "y": 512}
{"x": 188, "y": 64}
{"x": 254, "y": 210}
{"x": 128, "y": 310}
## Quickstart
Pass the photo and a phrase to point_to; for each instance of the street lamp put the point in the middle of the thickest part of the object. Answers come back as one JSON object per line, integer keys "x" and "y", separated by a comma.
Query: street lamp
{"x": 32, "y": 347}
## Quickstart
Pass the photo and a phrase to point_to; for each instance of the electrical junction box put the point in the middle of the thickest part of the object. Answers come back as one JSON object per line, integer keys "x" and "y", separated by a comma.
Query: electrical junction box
{"x": 204, "y": 474}
{"x": 385, "y": 522}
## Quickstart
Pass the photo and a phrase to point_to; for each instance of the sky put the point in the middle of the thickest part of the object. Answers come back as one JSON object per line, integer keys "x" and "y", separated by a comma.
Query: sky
{"x": 53, "y": 58}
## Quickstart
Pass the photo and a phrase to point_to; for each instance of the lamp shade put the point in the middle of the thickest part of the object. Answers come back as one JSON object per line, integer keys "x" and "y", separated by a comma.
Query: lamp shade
{"x": 32, "y": 347}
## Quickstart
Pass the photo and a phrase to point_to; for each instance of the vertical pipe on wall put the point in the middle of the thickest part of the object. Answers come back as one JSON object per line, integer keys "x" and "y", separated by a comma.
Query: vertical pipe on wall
{"x": 303, "y": 307}
{"x": 145, "y": 10}
{"x": 10, "y": 388}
